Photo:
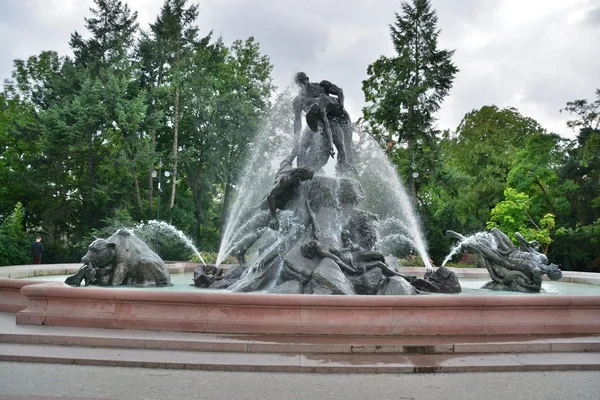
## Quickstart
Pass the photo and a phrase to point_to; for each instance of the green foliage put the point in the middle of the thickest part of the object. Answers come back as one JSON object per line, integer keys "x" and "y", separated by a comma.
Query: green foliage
{"x": 412, "y": 261}
{"x": 83, "y": 134}
{"x": 581, "y": 168}
{"x": 588, "y": 114}
{"x": 512, "y": 215}
{"x": 483, "y": 147}
{"x": 404, "y": 92}
{"x": 534, "y": 171}
{"x": 577, "y": 249}
{"x": 15, "y": 244}
{"x": 19, "y": 155}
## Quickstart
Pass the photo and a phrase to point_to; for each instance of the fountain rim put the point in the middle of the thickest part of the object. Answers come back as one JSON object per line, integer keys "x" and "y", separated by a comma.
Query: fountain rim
{"x": 57, "y": 304}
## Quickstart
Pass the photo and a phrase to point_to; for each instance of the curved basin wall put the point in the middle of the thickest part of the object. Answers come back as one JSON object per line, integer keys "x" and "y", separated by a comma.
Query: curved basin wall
{"x": 56, "y": 304}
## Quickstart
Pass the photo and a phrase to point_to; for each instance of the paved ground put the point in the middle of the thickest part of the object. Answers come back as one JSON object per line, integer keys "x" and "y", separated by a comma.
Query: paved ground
{"x": 91, "y": 349}
{"x": 19, "y": 381}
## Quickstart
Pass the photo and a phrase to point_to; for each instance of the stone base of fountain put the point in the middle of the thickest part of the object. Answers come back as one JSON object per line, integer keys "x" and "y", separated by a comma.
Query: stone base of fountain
{"x": 57, "y": 304}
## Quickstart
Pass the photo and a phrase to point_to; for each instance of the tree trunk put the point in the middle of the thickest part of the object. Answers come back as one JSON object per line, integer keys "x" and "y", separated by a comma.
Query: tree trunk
{"x": 390, "y": 143}
{"x": 150, "y": 178}
{"x": 411, "y": 178}
{"x": 193, "y": 182}
{"x": 411, "y": 155}
{"x": 546, "y": 195}
{"x": 90, "y": 166}
{"x": 175, "y": 147}
{"x": 579, "y": 209}
{"x": 136, "y": 185}
{"x": 411, "y": 142}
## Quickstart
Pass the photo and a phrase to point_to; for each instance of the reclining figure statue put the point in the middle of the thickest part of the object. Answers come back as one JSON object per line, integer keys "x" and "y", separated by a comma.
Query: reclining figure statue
{"x": 511, "y": 268}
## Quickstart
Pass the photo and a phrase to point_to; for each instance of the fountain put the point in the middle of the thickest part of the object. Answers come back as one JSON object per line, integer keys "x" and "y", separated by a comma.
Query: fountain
{"x": 311, "y": 205}
{"x": 320, "y": 230}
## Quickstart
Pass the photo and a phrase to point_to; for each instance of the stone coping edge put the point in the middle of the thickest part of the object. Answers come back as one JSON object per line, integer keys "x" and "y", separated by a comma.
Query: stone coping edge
{"x": 180, "y": 267}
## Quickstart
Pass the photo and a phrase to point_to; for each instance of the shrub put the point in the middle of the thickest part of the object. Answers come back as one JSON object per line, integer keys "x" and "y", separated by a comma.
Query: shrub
{"x": 15, "y": 245}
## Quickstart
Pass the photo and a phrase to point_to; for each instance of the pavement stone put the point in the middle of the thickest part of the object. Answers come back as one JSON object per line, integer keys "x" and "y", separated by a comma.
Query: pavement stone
{"x": 295, "y": 353}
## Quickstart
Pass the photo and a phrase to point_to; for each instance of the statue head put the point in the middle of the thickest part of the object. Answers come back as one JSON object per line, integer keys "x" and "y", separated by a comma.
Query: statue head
{"x": 345, "y": 234}
{"x": 101, "y": 253}
{"x": 309, "y": 249}
{"x": 553, "y": 271}
{"x": 300, "y": 78}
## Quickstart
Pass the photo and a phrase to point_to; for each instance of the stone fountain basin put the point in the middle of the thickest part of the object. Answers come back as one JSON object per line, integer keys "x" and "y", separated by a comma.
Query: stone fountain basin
{"x": 38, "y": 302}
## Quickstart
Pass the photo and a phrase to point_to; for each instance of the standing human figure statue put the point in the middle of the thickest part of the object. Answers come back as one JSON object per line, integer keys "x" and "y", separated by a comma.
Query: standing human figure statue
{"x": 37, "y": 248}
{"x": 315, "y": 99}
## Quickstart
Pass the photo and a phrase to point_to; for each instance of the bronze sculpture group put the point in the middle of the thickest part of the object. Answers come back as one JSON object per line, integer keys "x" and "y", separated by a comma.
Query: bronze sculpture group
{"x": 330, "y": 247}
{"x": 329, "y": 233}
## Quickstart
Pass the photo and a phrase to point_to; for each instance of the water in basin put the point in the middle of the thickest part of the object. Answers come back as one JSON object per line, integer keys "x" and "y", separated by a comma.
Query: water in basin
{"x": 470, "y": 287}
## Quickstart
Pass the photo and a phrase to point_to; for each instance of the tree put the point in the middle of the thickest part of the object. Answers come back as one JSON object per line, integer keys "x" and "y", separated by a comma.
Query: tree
{"x": 34, "y": 80}
{"x": 31, "y": 90}
{"x": 577, "y": 249}
{"x": 534, "y": 172}
{"x": 588, "y": 114}
{"x": 483, "y": 147}
{"x": 404, "y": 92}
{"x": 249, "y": 107}
{"x": 231, "y": 95}
{"x": 112, "y": 26}
{"x": 513, "y": 215}
{"x": 443, "y": 200}
{"x": 169, "y": 49}
{"x": 92, "y": 137}
{"x": 14, "y": 244}
{"x": 576, "y": 245}
{"x": 19, "y": 150}
{"x": 581, "y": 171}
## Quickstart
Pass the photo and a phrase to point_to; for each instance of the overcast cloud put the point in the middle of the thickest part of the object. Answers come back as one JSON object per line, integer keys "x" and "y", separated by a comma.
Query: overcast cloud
{"x": 534, "y": 55}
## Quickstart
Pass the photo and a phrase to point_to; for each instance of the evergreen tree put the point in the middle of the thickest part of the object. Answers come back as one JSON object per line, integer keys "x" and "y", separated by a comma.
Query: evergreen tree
{"x": 112, "y": 26}
{"x": 403, "y": 92}
{"x": 92, "y": 133}
{"x": 168, "y": 50}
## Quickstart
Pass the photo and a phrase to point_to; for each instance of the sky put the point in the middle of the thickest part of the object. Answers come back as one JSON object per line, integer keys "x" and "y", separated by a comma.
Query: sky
{"x": 534, "y": 55}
